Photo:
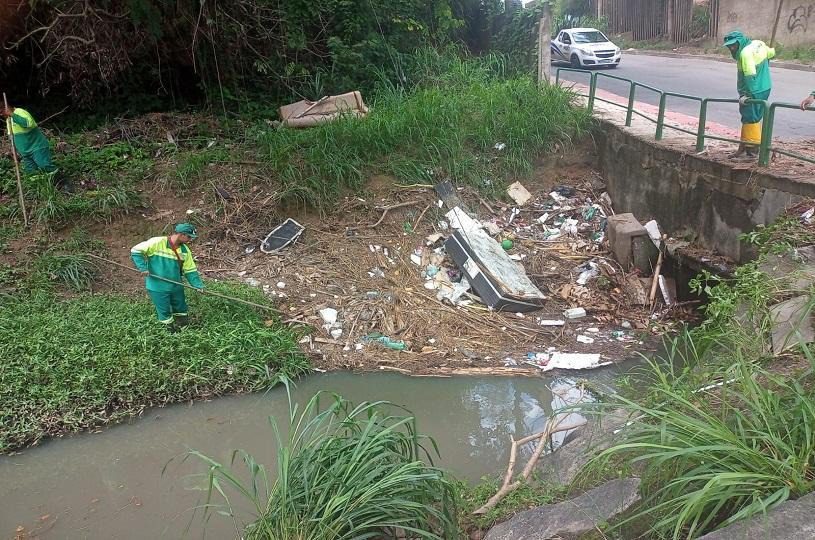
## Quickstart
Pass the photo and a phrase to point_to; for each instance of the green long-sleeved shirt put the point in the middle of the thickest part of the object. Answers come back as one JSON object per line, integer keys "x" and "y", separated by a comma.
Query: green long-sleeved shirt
{"x": 753, "y": 58}
{"x": 157, "y": 257}
{"x": 28, "y": 137}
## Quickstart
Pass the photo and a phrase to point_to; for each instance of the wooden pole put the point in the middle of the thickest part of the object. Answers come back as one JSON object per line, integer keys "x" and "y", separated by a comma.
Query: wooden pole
{"x": 544, "y": 45}
{"x": 775, "y": 25}
{"x": 16, "y": 164}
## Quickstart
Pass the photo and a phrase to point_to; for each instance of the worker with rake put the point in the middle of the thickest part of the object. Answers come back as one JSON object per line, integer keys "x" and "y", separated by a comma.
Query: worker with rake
{"x": 165, "y": 260}
{"x": 29, "y": 141}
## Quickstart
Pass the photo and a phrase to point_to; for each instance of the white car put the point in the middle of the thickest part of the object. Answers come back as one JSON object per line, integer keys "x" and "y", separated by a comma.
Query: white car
{"x": 585, "y": 47}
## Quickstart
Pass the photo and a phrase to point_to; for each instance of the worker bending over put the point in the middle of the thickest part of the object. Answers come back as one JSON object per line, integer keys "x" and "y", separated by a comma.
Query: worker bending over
{"x": 170, "y": 258}
{"x": 29, "y": 141}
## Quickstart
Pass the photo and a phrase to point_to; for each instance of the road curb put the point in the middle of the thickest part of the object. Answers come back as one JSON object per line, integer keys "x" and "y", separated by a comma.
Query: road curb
{"x": 775, "y": 64}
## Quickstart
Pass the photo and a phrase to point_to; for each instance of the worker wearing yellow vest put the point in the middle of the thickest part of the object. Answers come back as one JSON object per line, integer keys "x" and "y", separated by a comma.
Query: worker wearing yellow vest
{"x": 753, "y": 66}
{"x": 165, "y": 261}
{"x": 29, "y": 141}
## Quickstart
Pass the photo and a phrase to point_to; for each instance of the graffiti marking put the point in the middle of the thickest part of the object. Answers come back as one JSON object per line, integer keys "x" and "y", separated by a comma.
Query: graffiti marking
{"x": 799, "y": 18}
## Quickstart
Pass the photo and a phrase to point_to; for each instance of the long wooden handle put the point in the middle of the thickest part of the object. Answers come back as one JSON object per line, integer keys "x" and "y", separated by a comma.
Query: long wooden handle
{"x": 16, "y": 164}
{"x": 188, "y": 286}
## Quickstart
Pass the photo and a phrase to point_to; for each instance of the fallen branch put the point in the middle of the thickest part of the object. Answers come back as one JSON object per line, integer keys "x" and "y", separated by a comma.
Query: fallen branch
{"x": 552, "y": 427}
{"x": 421, "y": 216}
{"x": 385, "y": 210}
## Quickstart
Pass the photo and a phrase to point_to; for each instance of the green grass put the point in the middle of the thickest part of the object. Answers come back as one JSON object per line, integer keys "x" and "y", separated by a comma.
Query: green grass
{"x": 447, "y": 125}
{"x": 106, "y": 181}
{"x": 68, "y": 365}
{"x": 343, "y": 472}
{"x": 712, "y": 458}
{"x": 528, "y": 495}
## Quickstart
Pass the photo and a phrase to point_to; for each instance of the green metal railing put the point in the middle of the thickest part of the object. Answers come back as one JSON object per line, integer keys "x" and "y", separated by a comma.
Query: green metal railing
{"x": 767, "y": 147}
{"x": 768, "y": 112}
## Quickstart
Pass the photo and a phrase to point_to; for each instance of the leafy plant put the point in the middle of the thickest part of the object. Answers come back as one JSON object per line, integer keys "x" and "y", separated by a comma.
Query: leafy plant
{"x": 343, "y": 472}
{"x": 719, "y": 455}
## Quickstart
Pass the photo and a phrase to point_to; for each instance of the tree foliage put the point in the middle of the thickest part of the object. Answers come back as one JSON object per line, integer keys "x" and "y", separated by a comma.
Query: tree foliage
{"x": 90, "y": 49}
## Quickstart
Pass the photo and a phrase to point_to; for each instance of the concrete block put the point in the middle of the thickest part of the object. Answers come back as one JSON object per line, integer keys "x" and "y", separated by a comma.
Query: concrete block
{"x": 630, "y": 243}
{"x": 571, "y": 518}
{"x": 644, "y": 255}
{"x": 792, "y": 323}
{"x": 791, "y": 271}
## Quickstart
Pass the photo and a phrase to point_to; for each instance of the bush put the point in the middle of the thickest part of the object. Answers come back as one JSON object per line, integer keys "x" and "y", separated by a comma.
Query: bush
{"x": 343, "y": 472}
{"x": 716, "y": 456}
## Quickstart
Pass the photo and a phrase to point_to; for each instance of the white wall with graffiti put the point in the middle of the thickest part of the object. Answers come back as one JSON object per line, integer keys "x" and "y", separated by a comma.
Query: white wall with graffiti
{"x": 756, "y": 18}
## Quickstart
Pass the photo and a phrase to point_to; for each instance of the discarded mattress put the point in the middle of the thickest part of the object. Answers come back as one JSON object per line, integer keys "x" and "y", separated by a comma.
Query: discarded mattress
{"x": 282, "y": 236}
{"x": 498, "y": 280}
{"x": 310, "y": 113}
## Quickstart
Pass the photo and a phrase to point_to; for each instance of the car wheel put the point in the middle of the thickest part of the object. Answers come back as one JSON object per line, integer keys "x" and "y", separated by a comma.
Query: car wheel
{"x": 576, "y": 62}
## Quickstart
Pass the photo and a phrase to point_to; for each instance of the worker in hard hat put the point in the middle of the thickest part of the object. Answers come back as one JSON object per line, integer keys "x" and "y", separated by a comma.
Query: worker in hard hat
{"x": 166, "y": 259}
{"x": 753, "y": 66}
{"x": 29, "y": 140}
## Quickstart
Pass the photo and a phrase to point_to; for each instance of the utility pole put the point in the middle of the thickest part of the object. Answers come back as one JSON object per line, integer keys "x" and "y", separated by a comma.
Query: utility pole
{"x": 544, "y": 44}
{"x": 775, "y": 25}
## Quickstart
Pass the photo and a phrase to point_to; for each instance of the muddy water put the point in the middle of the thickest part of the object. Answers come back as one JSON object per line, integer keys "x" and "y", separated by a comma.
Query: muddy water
{"x": 111, "y": 485}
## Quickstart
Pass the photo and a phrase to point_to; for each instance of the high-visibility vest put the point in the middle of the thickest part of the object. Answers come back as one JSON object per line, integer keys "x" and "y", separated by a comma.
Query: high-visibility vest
{"x": 16, "y": 128}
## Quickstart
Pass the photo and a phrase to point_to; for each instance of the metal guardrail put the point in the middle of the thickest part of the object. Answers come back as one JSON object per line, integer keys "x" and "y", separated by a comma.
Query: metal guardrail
{"x": 766, "y": 147}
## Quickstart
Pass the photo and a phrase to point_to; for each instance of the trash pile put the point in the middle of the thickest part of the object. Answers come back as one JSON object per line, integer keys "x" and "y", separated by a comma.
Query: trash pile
{"x": 529, "y": 286}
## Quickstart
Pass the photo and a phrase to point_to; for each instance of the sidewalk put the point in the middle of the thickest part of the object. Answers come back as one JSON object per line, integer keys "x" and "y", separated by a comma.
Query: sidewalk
{"x": 715, "y": 150}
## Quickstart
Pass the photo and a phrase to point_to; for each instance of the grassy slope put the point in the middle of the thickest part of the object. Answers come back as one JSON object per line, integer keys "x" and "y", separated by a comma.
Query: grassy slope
{"x": 67, "y": 365}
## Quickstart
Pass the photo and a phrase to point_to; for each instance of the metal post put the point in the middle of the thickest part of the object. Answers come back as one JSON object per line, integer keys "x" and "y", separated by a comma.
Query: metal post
{"x": 700, "y": 136}
{"x": 592, "y": 91}
{"x": 631, "y": 93}
{"x": 661, "y": 117}
{"x": 544, "y": 45}
{"x": 767, "y": 137}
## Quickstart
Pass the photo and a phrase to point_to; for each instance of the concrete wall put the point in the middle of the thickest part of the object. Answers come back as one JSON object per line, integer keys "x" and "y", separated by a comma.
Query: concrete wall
{"x": 757, "y": 17}
{"x": 693, "y": 198}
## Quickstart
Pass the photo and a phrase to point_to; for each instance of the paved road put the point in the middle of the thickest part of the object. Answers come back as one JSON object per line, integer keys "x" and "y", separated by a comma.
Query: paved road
{"x": 709, "y": 78}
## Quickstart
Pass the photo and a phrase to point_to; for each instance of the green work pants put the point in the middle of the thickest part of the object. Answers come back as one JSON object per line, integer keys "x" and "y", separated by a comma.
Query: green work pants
{"x": 169, "y": 304}
{"x": 38, "y": 160}
{"x": 753, "y": 113}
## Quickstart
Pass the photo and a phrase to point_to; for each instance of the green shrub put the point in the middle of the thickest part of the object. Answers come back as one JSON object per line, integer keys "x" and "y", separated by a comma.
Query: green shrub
{"x": 720, "y": 455}
{"x": 343, "y": 472}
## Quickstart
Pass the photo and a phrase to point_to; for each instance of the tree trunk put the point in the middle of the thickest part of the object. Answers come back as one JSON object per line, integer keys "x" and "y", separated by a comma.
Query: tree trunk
{"x": 544, "y": 44}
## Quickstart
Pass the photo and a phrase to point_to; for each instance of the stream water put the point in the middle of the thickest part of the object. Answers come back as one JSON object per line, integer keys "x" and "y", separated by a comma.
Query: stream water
{"x": 114, "y": 484}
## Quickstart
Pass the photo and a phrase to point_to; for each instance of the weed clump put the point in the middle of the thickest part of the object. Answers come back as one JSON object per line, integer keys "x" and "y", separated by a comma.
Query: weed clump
{"x": 343, "y": 472}
{"x": 461, "y": 118}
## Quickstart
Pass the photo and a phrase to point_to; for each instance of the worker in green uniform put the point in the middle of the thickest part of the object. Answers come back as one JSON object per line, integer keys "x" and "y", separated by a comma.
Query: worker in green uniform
{"x": 168, "y": 257}
{"x": 29, "y": 141}
{"x": 753, "y": 66}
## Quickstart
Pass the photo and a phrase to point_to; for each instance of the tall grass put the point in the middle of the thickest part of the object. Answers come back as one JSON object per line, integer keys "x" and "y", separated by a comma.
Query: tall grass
{"x": 67, "y": 365}
{"x": 343, "y": 472}
{"x": 714, "y": 457}
{"x": 445, "y": 121}
{"x": 723, "y": 435}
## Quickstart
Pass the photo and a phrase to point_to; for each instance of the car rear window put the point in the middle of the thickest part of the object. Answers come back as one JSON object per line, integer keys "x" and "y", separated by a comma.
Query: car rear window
{"x": 589, "y": 37}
